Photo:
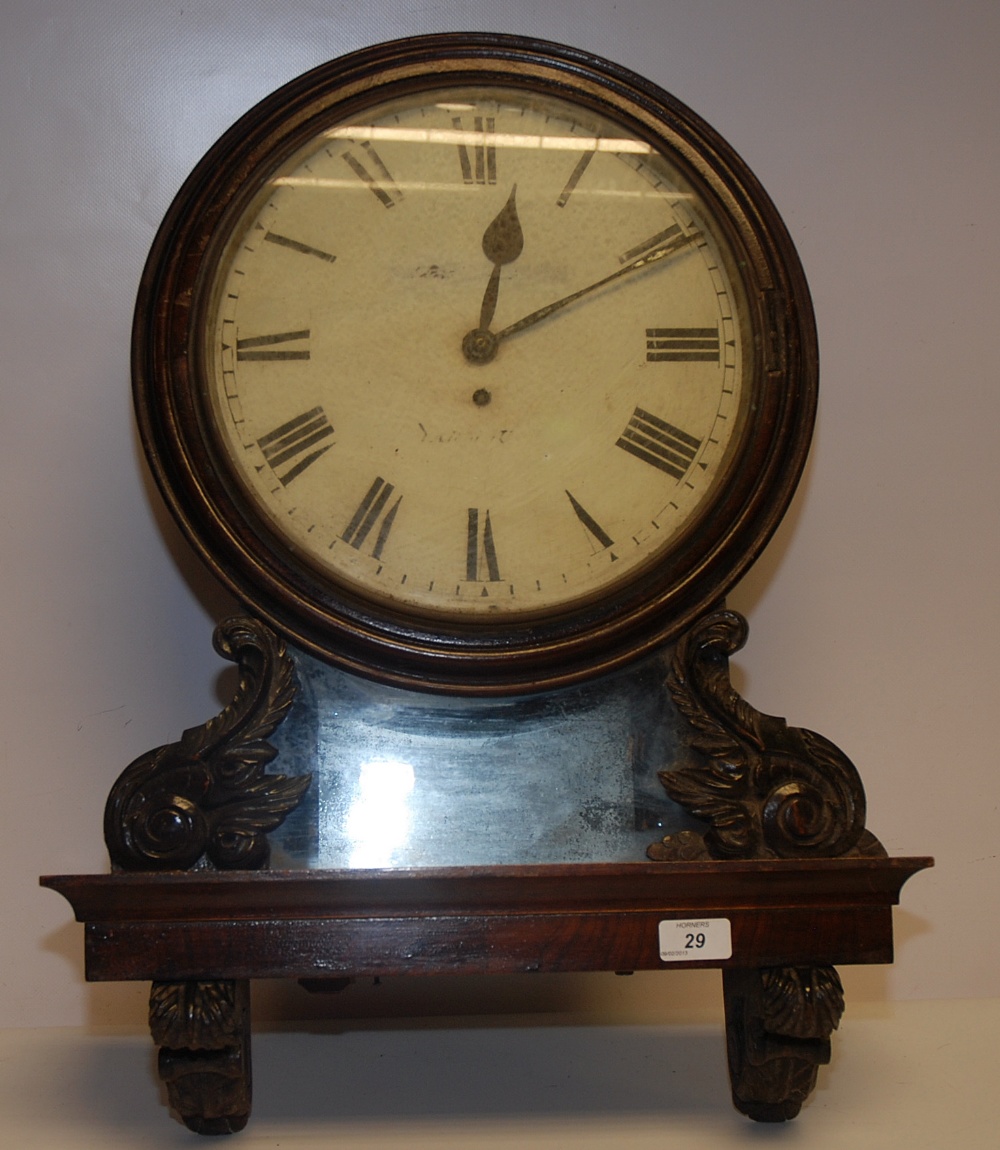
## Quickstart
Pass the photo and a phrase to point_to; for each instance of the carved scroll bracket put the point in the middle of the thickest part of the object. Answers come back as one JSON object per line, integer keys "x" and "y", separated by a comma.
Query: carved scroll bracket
{"x": 778, "y": 1026}
{"x": 767, "y": 790}
{"x": 207, "y": 800}
{"x": 203, "y": 1031}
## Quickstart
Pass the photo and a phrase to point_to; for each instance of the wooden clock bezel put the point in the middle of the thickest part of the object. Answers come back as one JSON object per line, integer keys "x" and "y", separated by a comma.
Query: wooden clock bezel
{"x": 475, "y": 657}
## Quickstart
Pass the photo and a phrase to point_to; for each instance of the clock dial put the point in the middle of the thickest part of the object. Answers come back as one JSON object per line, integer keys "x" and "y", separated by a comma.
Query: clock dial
{"x": 474, "y": 363}
{"x": 477, "y": 352}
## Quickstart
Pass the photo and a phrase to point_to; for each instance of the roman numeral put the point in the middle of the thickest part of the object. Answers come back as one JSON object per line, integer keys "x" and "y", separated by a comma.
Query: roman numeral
{"x": 385, "y": 192}
{"x": 258, "y": 347}
{"x": 574, "y": 179}
{"x": 591, "y": 524}
{"x": 480, "y": 552}
{"x": 373, "y": 510}
{"x": 653, "y": 241}
{"x": 296, "y": 246}
{"x": 482, "y": 167}
{"x": 682, "y": 344}
{"x": 293, "y": 443}
{"x": 655, "y": 441}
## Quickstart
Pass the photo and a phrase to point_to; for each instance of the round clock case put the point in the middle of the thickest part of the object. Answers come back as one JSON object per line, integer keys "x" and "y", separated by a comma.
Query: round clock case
{"x": 474, "y": 364}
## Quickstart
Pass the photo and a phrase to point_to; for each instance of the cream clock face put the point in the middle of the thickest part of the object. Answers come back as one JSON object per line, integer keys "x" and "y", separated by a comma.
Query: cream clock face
{"x": 477, "y": 353}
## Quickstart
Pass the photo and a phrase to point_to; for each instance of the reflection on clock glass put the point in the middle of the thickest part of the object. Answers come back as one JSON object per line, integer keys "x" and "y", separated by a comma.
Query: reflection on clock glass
{"x": 478, "y": 353}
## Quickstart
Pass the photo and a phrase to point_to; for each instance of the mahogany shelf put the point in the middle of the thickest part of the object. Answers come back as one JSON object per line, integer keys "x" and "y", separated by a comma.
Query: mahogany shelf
{"x": 201, "y": 936}
{"x": 309, "y": 924}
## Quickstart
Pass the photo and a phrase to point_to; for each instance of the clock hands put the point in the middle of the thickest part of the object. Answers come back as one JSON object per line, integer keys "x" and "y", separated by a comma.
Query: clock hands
{"x": 502, "y": 244}
{"x": 480, "y": 345}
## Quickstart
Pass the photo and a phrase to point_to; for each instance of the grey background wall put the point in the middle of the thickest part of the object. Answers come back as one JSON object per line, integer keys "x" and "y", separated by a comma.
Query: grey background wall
{"x": 874, "y": 614}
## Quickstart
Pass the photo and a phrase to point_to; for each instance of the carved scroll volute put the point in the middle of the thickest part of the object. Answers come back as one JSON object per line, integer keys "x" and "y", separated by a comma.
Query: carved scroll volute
{"x": 766, "y": 789}
{"x": 207, "y": 798}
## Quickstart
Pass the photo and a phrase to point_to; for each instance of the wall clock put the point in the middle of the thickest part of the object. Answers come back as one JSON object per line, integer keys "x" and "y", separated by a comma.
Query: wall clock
{"x": 479, "y": 370}
{"x": 472, "y": 365}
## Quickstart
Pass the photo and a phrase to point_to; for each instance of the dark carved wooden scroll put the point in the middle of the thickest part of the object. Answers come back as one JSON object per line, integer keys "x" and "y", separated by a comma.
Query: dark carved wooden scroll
{"x": 203, "y": 1032}
{"x": 766, "y": 790}
{"x": 778, "y": 1026}
{"x": 207, "y": 801}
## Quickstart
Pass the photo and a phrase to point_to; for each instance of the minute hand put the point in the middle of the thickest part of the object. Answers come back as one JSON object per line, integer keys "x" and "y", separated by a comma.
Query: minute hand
{"x": 636, "y": 265}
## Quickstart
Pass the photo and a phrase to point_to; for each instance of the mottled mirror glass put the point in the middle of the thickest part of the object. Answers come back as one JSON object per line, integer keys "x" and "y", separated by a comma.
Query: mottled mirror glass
{"x": 404, "y": 779}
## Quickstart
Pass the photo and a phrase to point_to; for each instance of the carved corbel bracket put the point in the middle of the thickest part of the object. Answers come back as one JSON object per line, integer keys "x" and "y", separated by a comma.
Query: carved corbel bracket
{"x": 206, "y": 800}
{"x": 778, "y": 1026}
{"x": 766, "y": 790}
{"x": 203, "y": 1031}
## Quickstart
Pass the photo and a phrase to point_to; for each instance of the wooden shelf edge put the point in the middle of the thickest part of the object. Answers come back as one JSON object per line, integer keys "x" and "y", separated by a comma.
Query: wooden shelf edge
{"x": 567, "y": 888}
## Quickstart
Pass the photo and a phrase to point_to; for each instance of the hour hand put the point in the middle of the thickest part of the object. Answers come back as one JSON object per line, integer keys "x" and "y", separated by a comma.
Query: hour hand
{"x": 503, "y": 241}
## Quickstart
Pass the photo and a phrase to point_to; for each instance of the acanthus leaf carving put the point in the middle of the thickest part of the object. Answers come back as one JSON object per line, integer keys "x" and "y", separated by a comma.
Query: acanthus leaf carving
{"x": 207, "y": 799}
{"x": 197, "y": 1015}
{"x": 767, "y": 790}
{"x": 801, "y": 1002}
